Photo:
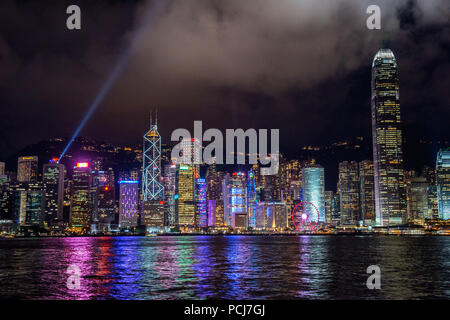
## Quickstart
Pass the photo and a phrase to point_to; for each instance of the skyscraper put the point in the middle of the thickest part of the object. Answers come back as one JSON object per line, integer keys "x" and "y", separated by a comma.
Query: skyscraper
{"x": 186, "y": 196}
{"x": 443, "y": 183}
{"x": 81, "y": 198}
{"x": 152, "y": 187}
{"x": 104, "y": 207}
{"x": 417, "y": 200}
{"x": 170, "y": 194}
{"x": 235, "y": 199}
{"x": 251, "y": 198}
{"x": 128, "y": 203}
{"x": 202, "y": 209}
{"x": 27, "y": 203}
{"x": 2, "y": 168}
{"x": 53, "y": 180}
{"x": 349, "y": 185}
{"x": 430, "y": 175}
{"x": 390, "y": 197}
{"x": 103, "y": 193}
{"x": 214, "y": 195}
{"x": 366, "y": 191}
{"x": 329, "y": 196}
{"x": 314, "y": 188}
{"x": 188, "y": 173}
{"x": 27, "y": 169}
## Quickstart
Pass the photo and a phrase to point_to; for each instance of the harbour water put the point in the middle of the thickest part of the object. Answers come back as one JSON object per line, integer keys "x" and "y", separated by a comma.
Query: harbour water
{"x": 226, "y": 267}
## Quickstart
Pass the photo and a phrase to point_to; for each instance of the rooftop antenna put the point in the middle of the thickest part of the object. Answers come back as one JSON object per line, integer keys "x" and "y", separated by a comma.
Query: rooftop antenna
{"x": 385, "y": 41}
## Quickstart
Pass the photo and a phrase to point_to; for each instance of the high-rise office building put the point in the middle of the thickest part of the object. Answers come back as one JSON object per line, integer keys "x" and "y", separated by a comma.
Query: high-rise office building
{"x": 128, "y": 203}
{"x": 104, "y": 208}
{"x": 190, "y": 155}
{"x": 211, "y": 213}
{"x": 251, "y": 198}
{"x": 430, "y": 175}
{"x": 28, "y": 203}
{"x": 81, "y": 198}
{"x": 103, "y": 193}
{"x": 349, "y": 185}
{"x": 6, "y": 202}
{"x": 314, "y": 189}
{"x": 202, "y": 205}
{"x": 2, "y": 168}
{"x": 417, "y": 199}
{"x": 189, "y": 172}
{"x": 235, "y": 199}
{"x": 272, "y": 216}
{"x": 443, "y": 183}
{"x": 27, "y": 169}
{"x": 366, "y": 191}
{"x": 215, "y": 197}
{"x": 390, "y": 194}
{"x": 186, "y": 196}
{"x": 53, "y": 181}
{"x": 171, "y": 194}
{"x": 329, "y": 197}
{"x": 152, "y": 187}
{"x": 336, "y": 209}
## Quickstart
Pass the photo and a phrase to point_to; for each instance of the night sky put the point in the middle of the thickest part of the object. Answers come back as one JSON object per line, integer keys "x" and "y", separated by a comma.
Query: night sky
{"x": 302, "y": 66}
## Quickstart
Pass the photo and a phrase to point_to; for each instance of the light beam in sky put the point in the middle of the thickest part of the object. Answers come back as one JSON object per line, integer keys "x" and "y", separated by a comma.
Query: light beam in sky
{"x": 155, "y": 9}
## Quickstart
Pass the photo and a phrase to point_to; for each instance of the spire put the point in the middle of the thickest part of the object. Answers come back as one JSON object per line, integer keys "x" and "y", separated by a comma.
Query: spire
{"x": 156, "y": 117}
{"x": 151, "y": 118}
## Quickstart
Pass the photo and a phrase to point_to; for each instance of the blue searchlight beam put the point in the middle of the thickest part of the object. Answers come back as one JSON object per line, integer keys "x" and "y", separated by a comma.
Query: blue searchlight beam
{"x": 155, "y": 9}
{"x": 99, "y": 98}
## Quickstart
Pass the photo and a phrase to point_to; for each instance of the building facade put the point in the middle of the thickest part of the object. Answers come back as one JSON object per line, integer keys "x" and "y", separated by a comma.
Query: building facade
{"x": 202, "y": 204}
{"x": 53, "y": 181}
{"x": 234, "y": 198}
{"x": 390, "y": 195}
{"x": 27, "y": 169}
{"x": 443, "y": 183}
{"x": 366, "y": 194}
{"x": 417, "y": 199}
{"x": 152, "y": 186}
{"x": 81, "y": 198}
{"x": 128, "y": 203}
{"x": 349, "y": 185}
{"x": 313, "y": 190}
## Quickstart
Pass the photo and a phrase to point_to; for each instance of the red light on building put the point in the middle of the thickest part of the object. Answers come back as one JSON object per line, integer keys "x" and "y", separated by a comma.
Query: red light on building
{"x": 106, "y": 188}
{"x": 82, "y": 165}
{"x": 161, "y": 202}
{"x": 54, "y": 160}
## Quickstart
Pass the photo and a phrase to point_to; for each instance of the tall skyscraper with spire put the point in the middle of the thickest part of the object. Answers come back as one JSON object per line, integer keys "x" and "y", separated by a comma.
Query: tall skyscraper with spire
{"x": 390, "y": 195}
{"x": 152, "y": 186}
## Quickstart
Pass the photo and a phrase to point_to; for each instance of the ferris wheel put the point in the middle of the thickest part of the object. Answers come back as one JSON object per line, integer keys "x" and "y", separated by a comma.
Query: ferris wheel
{"x": 305, "y": 216}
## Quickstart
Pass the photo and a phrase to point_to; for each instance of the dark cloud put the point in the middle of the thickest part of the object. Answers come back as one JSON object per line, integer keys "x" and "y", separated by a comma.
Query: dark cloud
{"x": 301, "y": 66}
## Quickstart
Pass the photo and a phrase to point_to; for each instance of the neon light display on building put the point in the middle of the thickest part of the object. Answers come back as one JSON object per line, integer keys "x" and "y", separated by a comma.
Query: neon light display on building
{"x": 128, "y": 205}
{"x": 201, "y": 203}
{"x": 251, "y": 198}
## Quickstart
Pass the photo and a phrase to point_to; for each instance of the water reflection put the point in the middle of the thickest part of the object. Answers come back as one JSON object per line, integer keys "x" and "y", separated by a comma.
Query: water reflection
{"x": 230, "y": 267}
{"x": 125, "y": 284}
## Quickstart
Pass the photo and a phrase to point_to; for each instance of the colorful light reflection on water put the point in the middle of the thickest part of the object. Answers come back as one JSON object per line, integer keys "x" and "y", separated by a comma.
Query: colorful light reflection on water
{"x": 225, "y": 267}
